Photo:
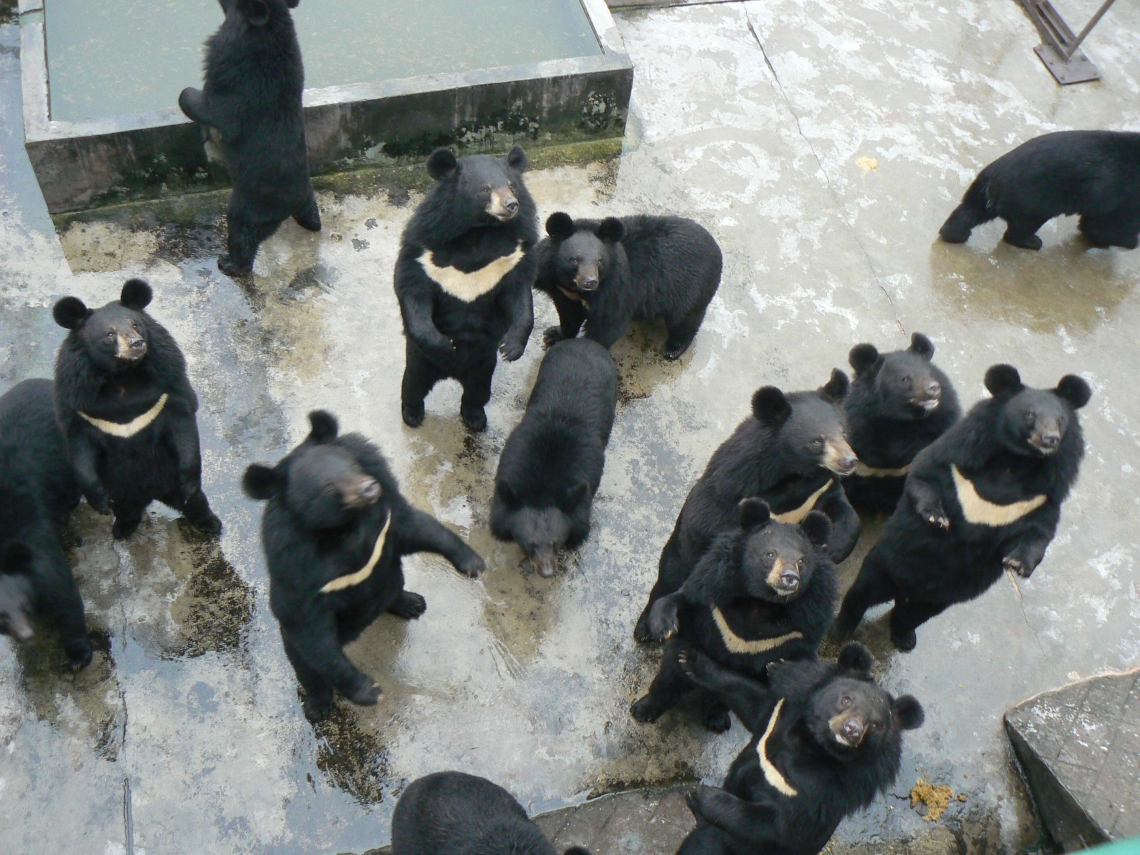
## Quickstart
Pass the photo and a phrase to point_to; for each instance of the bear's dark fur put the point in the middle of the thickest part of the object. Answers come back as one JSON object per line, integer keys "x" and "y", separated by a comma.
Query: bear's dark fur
{"x": 252, "y": 96}
{"x": 789, "y": 453}
{"x": 552, "y": 462}
{"x": 127, "y": 409}
{"x": 608, "y": 273}
{"x": 984, "y": 497}
{"x": 899, "y": 403}
{"x": 826, "y": 741}
{"x": 463, "y": 279}
{"x": 37, "y": 492}
{"x": 450, "y": 813}
{"x": 762, "y": 592}
{"x": 1095, "y": 174}
{"x": 334, "y": 531}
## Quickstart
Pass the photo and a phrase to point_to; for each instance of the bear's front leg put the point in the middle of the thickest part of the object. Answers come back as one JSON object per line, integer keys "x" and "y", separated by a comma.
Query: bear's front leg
{"x": 1024, "y": 557}
{"x": 323, "y": 664}
{"x": 927, "y": 502}
{"x": 663, "y": 617}
{"x": 749, "y": 699}
{"x": 753, "y": 824}
{"x": 84, "y": 462}
{"x": 518, "y": 302}
{"x": 571, "y": 316}
{"x": 423, "y": 533}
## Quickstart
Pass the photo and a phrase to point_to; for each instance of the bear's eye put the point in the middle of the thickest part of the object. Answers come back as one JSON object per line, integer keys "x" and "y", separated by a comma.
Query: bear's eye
{"x": 906, "y": 379}
{"x": 111, "y": 334}
{"x": 845, "y": 702}
{"x": 817, "y": 442}
{"x": 575, "y": 261}
{"x": 1029, "y": 418}
{"x": 485, "y": 189}
{"x": 800, "y": 564}
{"x": 771, "y": 556}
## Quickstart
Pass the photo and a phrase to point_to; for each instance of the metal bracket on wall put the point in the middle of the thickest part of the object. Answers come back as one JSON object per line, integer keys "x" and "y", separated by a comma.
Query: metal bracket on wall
{"x": 1061, "y": 53}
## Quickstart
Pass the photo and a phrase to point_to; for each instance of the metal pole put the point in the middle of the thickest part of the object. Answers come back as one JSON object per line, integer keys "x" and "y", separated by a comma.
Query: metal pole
{"x": 1088, "y": 28}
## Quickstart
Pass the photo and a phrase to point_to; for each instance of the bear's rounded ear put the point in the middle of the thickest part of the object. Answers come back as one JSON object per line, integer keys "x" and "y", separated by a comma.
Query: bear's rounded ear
{"x": 262, "y": 482}
{"x": 560, "y": 225}
{"x": 136, "y": 295}
{"x": 255, "y": 12}
{"x": 921, "y": 345}
{"x": 324, "y": 426}
{"x": 17, "y": 559}
{"x": 70, "y": 313}
{"x": 1003, "y": 381}
{"x": 1074, "y": 390}
{"x": 292, "y": 4}
{"x": 442, "y": 164}
{"x": 836, "y": 388}
{"x": 817, "y": 527}
{"x": 516, "y": 159}
{"x": 855, "y": 657}
{"x": 754, "y": 513}
{"x": 909, "y": 712}
{"x": 770, "y": 407}
{"x": 611, "y": 230}
{"x": 862, "y": 357}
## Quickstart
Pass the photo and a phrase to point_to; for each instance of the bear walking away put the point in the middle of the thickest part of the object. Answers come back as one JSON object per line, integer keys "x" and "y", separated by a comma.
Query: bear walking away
{"x": 334, "y": 531}
{"x": 984, "y": 497}
{"x": 605, "y": 274}
{"x": 826, "y": 741}
{"x": 552, "y": 462}
{"x": 37, "y": 492}
{"x": 790, "y": 452}
{"x": 127, "y": 409}
{"x": 450, "y": 813}
{"x": 463, "y": 279}
{"x": 899, "y": 403}
{"x": 762, "y": 592}
{"x": 252, "y": 96}
{"x": 1095, "y": 174}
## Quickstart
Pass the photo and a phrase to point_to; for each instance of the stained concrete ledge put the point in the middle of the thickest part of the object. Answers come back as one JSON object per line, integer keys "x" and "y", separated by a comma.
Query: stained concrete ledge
{"x": 1079, "y": 747}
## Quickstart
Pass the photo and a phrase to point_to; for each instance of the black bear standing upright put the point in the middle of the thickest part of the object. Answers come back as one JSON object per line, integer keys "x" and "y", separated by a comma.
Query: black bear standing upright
{"x": 760, "y": 593}
{"x": 450, "y": 813}
{"x": 128, "y": 411}
{"x": 826, "y": 740}
{"x": 334, "y": 531}
{"x": 789, "y": 453}
{"x": 463, "y": 279}
{"x": 552, "y": 462}
{"x": 1092, "y": 173}
{"x": 252, "y": 95}
{"x": 984, "y": 497}
{"x": 37, "y": 492}
{"x": 899, "y": 403}
{"x": 606, "y": 274}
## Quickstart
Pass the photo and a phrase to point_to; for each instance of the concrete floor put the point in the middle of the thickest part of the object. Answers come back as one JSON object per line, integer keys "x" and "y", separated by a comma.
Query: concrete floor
{"x": 823, "y": 145}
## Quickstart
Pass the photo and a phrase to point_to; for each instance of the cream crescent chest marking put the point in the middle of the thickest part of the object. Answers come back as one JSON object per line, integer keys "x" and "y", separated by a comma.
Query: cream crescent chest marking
{"x": 342, "y": 582}
{"x": 126, "y": 431}
{"x": 578, "y": 298}
{"x": 864, "y": 471}
{"x": 797, "y": 515}
{"x": 978, "y": 511}
{"x": 736, "y": 644}
{"x": 470, "y": 286}
{"x": 771, "y": 774}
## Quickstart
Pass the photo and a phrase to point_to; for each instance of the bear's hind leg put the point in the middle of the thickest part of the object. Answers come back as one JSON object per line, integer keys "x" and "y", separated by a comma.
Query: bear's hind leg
{"x": 907, "y": 616}
{"x": 1112, "y": 229}
{"x": 477, "y": 392}
{"x": 871, "y": 588}
{"x": 420, "y": 377}
{"x": 714, "y": 712}
{"x": 197, "y": 512}
{"x": 318, "y": 701}
{"x": 669, "y": 685}
{"x": 128, "y": 515}
{"x": 1021, "y": 231}
{"x": 308, "y": 216}
{"x": 681, "y": 335}
{"x": 245, "y": 236}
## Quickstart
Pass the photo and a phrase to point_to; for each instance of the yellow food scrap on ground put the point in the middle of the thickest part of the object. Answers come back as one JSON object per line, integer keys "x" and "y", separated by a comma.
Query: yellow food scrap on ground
{"x": 936, "y": 799}
{"x": 867, "y": 164}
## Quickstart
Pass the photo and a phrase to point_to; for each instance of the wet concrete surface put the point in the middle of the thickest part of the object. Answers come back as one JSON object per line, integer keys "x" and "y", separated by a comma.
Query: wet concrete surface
{"x": 822, "y": 146}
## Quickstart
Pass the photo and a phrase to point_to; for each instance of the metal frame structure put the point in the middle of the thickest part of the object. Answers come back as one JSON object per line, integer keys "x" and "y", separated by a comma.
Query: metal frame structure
{"x": 1061, "y": 53}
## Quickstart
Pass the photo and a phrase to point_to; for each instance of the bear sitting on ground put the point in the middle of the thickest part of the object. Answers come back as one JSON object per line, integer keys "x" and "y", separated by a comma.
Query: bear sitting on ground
{"x": 128, "y": 411}
{"x": 984, "y": 497}
{"x": 252, "y": 96}
{"x": 450, "y": 813}
{"x": 899, "y": 403}
{"x": 37, "y": 492}
{"x": 826, "y": 741}
{"x": 463, "y": 279}
{"x": 606, "y": 274}
{"x": 334, "y": 531}
{"x": 762, "y": 592}
{"x": 788, "y": 453}
{"x": 552, "y": 462}
{"x": 1092, "y": 173}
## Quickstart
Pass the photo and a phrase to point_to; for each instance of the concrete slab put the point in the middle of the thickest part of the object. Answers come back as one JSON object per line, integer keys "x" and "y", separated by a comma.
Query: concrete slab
{"x": 823, "y": 146}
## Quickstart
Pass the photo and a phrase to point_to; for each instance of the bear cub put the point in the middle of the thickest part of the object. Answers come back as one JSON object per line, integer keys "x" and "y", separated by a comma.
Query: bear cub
{"x": 605, "y": 274}
{"x": 1095, "y": 174}
{"x": 552, "y": 462}
{"x": 899, "y": 403}
{"x": 762, "y": 592}
{"x": 451, "y": 813}
{"x": 252, "y": 96}
{"x": 790, "y": 452}
{"x": 463, "y": 279}
{"x": 127, "y": 410}
{"x": 334, "y": 530}
{"x": 826, "y": 741}
{"x": 37, "y": 493}
{"x": 984, "y": 497}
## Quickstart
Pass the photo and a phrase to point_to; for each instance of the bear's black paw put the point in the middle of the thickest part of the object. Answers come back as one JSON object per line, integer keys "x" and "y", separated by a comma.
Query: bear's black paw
{"x": 409, "y": 606}
{"x": 641, "y": 633}
{"x": 1023, "y": 242}
{"x": 718, "y": 720}
{"x": 366, "y": 695}
{"x": 231, "y": 268}
{"x": 702, "y": 800}
{"x": 209, "y": 524}
{"x": 906, "y": 642}
{"x": 662, "y": 622}
{"x": 101, "y": 505}
{"x": 317, "y": 706}
{"x": 512, "y": 350}
{"x": 675, "y": 351}
{"x": 79, "y": 659}
{"x": 474, "y": 417}
{"x": 645, "y": 710}
{"x": 552, "y": 336}
{"x": 472, "y": 566}
{"x": 413, "y": 414}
